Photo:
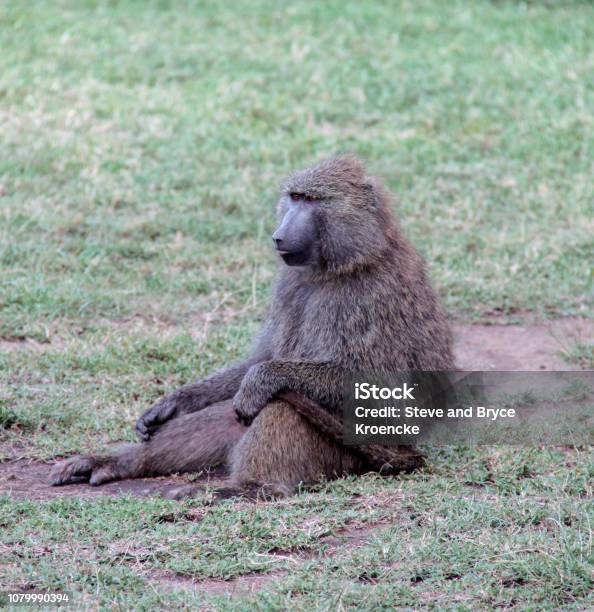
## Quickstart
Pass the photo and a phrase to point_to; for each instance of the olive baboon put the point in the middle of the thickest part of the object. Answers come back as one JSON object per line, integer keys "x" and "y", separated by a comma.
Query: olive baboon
{"x": 351, "y": 296}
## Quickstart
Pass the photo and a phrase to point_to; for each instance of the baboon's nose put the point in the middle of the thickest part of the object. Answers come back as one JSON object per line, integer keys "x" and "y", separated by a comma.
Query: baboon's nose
{"x": 277, "y": 239}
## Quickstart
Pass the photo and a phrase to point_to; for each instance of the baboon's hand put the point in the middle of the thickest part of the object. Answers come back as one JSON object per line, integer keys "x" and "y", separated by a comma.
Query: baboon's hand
{"x": 254, "y": 393}
{"x": 156, "y": 415}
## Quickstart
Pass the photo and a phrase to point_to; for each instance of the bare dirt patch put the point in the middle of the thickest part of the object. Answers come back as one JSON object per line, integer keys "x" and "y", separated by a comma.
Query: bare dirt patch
{"x": 27, "y": 479}
{"x": 21, "y": 344}
{"x": 520, "y": 347}
{"x": 477, "y": 347}
{"x": 236, "y": 587}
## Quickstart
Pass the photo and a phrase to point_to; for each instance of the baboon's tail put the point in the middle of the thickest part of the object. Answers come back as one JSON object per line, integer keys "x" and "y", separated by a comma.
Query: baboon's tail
{"x": 188, "y": 443}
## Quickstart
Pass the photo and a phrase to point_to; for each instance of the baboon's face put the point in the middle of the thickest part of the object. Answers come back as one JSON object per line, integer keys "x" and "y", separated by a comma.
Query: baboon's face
{"x": 296, "y": 237}
{"x": 331, "y": 217}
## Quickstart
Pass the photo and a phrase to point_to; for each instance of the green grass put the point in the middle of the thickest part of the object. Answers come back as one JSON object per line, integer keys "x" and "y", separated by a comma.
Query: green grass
{"x": 499, "y": 529}
{"x": 141, "y": 145}
{"x": 580, "y": 354}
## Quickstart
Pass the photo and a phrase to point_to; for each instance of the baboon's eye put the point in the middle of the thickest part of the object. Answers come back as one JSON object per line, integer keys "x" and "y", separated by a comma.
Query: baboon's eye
{"x": 303, "y": 197}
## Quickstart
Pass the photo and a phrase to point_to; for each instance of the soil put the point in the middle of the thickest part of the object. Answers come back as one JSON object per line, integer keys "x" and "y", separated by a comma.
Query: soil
{"x": 477, "y": 347}
{"x": 520, "y": 347}
{"x": 27, "y": 479}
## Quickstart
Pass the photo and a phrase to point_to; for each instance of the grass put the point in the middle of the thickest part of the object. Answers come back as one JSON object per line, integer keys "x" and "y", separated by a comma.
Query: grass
{"x": 581, "y": 354}
{"x": 499, "y": 529}
{"x": 141, "y": 147}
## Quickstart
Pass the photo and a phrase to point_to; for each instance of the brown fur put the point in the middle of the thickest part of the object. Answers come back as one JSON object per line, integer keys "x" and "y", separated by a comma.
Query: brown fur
{"x": 364, "y": 305}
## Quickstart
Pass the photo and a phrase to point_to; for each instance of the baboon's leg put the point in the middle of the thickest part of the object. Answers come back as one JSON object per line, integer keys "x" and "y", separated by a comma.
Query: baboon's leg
{"x": 281, "y": 449}
{"x": 187, "y": 443}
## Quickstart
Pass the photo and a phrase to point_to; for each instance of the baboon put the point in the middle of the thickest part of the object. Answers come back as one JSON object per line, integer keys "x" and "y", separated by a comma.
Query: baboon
{"x": 351, "y": 295}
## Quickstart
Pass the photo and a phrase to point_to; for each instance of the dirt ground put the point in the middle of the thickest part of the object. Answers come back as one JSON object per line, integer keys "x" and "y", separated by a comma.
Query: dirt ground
{"x": 26, "y": 479}
{"x": 477, "y": 347}
{"x": 520, "y": 347}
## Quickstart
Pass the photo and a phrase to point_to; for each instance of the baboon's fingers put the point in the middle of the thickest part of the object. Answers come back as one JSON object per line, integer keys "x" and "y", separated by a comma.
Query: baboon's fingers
{"x": 146, "y": 433}
{"x": 75, "y": 469}
{"x": 142, "y": 431}
{"x": 156, "y": 415}
{"x": 89, "y": 469}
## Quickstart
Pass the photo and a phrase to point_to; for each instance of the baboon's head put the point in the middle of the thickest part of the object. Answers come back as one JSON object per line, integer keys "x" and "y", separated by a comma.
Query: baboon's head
{"x": 333, "y": 217}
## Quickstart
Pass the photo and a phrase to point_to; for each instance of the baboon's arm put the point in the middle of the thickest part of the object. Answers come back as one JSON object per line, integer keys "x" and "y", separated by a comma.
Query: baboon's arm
{"x": 321, "y": 381}
{"x": 217, "y": 387}
{"x": 220, "y": 386}
{"x": 385, "y": 459}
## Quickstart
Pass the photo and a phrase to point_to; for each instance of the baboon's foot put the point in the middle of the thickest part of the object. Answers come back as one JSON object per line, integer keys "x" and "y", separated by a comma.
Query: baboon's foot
{"x": 85, "y": 468}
